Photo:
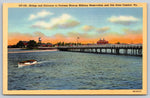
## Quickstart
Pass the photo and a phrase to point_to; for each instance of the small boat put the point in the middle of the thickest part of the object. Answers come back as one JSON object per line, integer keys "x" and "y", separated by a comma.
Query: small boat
{"x": 27, "y": 63}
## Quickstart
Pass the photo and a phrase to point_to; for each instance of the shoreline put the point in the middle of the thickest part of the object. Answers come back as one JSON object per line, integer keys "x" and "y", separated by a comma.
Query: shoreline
{"x": 28, "y": 51}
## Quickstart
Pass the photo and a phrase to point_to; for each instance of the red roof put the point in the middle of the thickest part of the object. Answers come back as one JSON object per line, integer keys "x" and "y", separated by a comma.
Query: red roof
{"x": 102, "y": 42}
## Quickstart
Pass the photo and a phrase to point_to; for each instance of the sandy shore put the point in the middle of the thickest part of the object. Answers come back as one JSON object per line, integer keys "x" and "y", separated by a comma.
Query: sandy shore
{"x": 31, "y": 51}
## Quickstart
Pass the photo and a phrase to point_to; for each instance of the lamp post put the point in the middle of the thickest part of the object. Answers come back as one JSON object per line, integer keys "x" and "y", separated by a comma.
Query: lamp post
{"x": 77, "y": 41}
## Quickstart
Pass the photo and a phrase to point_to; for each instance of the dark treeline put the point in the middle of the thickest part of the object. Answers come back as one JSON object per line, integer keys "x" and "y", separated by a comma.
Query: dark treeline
{"x": 66, "y": 44}
{"x": 24, "y": 44}
{"x": 33, "y": 44}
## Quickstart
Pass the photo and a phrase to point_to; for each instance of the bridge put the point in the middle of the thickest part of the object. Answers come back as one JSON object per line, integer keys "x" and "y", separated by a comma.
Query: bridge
{"x": 116, "y": 49}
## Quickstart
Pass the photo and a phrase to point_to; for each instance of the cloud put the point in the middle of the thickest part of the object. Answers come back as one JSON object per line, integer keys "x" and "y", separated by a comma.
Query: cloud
{"x": 41, "y": 25}
{"x": 128, "y": 37}
{"x": 63, "y": 22}
{"x": 103, "y": 29}
{"x": 41, "y": 14}
{"x": 59, "y": 35}
{"x": 124, "y": 20}
{"x": 130, "y": 31}
{"x": 82, "y": 35}
{"x": 87, "y": 28}
{"x": 14, "y": 37}
{"x": 38, "y": 34}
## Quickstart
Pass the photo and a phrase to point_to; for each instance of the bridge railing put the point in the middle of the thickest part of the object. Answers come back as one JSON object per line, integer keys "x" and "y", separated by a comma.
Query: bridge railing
{"x": 105, "y": 46}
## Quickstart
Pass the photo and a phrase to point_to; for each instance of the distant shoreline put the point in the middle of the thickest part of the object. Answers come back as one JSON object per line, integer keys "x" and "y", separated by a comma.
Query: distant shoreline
{"x": 28, "y": 51}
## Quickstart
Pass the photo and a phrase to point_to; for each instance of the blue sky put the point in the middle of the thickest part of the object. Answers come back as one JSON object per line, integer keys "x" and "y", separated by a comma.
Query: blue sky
{"x": 90, "y": 21}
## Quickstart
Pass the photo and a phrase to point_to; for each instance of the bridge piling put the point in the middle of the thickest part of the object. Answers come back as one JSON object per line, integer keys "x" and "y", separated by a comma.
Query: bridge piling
{"x": 134, "y": 50}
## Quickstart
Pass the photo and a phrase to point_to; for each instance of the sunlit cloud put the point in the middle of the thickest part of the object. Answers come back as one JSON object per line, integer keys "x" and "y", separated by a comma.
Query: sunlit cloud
{"x": 87, "y": 28}
{"x": 41, "y": 25}
{"x": 38, "y": 34}
{"x": 14, "y": 37}
{"x": 129, "y": 36}
{"x": 41, "y": 14}
{"x": 82, "y": 35}
{"x": 130, "y": 31}
{"x": 103, "y": 29}
{"x": 63, "y": 22}
{"x": 124, "y": 20}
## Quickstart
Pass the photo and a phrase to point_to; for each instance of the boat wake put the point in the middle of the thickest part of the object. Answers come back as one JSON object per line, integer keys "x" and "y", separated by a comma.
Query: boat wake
{"x": 44, "y": 62}
{"x": 40, "y": 63}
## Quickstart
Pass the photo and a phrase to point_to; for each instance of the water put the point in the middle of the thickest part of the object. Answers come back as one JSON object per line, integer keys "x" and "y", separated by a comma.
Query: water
{"x": 67, "y": 70}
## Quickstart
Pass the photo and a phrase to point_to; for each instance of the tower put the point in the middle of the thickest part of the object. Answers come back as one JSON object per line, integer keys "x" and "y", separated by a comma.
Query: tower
{"x": 40, "y": 41}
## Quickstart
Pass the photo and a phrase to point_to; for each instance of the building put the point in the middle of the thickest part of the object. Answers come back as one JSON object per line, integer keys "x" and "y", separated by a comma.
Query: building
{"x": 46, "y": 45}
{"x": 25, "y": 43}
{"x": 49, "y": 45}
{"x": 102, "y": 41}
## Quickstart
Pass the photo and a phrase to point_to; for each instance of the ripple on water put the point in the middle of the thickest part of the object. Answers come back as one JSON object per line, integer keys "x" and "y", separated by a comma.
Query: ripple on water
{"x": 66, "y": 70}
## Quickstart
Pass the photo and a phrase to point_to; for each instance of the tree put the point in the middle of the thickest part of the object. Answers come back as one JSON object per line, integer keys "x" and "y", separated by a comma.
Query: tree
{"x": 62, "y": 44}
{"x": 32, "y": 44}
{"x": 118, "y": 43}
{"x": 59, "y": 43}
{"x": 20, "y": 44}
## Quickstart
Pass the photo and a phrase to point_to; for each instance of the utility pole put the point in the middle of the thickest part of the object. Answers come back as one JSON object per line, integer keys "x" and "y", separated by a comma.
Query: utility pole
{"x": 77, "y": 41}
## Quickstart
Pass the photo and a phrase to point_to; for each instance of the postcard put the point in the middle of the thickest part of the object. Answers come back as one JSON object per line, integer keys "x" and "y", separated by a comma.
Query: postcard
{"x": 74, "y": 48}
